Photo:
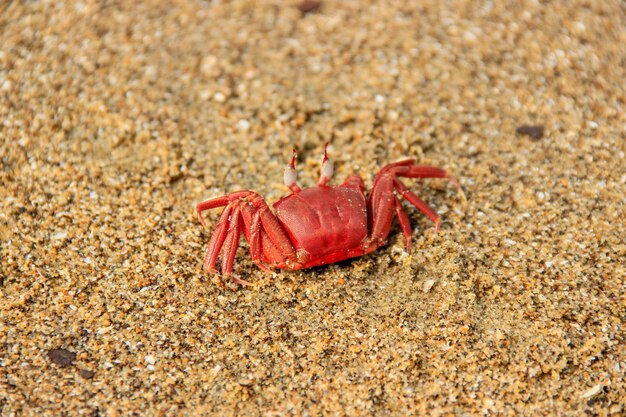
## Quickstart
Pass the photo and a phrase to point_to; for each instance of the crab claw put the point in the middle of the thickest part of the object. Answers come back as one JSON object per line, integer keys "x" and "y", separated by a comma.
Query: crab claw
{"x": 328, "y": 168}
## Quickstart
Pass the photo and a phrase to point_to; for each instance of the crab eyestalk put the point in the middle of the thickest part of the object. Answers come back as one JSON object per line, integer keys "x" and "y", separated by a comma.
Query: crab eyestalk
{"x": 327, "y": 168}
{"x": 290, "y": 175}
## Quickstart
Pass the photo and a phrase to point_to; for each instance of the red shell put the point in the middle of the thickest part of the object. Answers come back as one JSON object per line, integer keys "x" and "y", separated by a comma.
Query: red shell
{"x": 328, "y": 223}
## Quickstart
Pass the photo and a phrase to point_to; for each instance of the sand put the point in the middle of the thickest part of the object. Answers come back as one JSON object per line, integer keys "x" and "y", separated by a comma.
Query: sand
{"x": 116, "y": 118}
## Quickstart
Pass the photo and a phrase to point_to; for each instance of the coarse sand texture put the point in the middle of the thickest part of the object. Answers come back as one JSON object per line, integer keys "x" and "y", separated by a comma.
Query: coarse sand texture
{"x": 118, "y": 117}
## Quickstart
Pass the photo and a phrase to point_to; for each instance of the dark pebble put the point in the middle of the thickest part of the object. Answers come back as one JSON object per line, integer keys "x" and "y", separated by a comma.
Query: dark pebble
{"x": 309, "y": 6}
{"x": 62, "y": 357}
{"x": 87, "y": 374}
{"x": 534, "y": 131}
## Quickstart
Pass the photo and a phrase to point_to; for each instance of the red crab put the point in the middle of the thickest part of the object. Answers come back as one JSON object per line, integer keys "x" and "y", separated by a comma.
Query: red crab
{"x": 318, "y": 225}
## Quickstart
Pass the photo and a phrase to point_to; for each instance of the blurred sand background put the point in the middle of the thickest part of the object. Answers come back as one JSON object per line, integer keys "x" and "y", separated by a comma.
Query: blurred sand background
{"x": 117, "y": 117}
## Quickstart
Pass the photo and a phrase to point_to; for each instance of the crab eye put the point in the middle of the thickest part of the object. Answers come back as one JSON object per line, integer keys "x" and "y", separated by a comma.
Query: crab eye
{"x": 290, "y": 176}
{"x": 328, "y": 168}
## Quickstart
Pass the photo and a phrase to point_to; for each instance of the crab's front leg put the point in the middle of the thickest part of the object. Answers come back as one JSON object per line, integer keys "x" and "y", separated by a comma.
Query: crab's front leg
{"x": 382, "y": 202}
{"x": 246, "y": 212}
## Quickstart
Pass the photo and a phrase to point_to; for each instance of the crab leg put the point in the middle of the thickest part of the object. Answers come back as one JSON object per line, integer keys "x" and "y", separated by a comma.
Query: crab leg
{"x": 277, "y": 234}
{"x": 388, "y": 167}
{"x": 255, "y": 241}
{"x": 417, "y": 202}
{"x": 402, "y": 163}
{"x": 427, "y": 172}
{"x": 406, "y": 168}
{"x": 382, "y": 209}
{"x": 217, "y": 202}
{"x": 246, "y": 212}
{"x": 231, "y": 243}
{"x": 255, "y": 236}
{"x": 405, "y": 224}
{"x": 270, "y": 251}
{"x": 413, "y": 171}
{"x": 382, "y": 200}
{"x": 217, "y": 240}
{"x": 375, "y": 197}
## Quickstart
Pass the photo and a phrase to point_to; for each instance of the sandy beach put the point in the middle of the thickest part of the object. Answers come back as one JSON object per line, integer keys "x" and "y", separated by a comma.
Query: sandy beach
{"x": 117, "y": 118}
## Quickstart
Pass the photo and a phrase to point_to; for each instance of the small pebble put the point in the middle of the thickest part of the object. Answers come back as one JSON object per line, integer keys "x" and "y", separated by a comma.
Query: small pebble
{"x": 534, "y": 131}
{"x": 592, "y": 392}
{"x": 309, "y": 6}
{"x": 87, "y": 374}
{"x": 428, "y": 284}
{"x": 243, "y": 125}
{"x": 62, "y": 357}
